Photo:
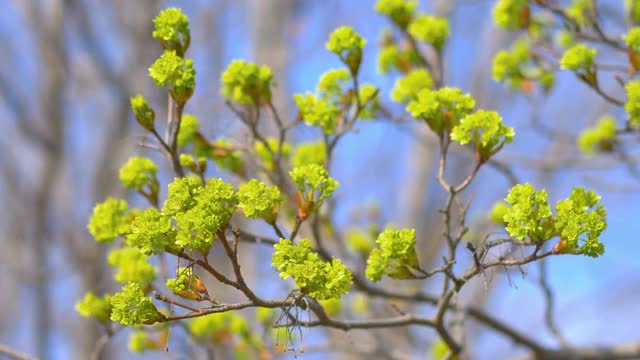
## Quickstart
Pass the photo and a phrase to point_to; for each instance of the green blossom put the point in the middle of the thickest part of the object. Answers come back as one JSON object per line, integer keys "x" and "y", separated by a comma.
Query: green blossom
{"x": 131, "y": 307}
{"x": 141, "y": 341}
{"x": 368, "y": 96}
{"x": 399, "y": 11}
{"x": 225, "y": 156}
{"x": 529, "y": 214}
{"x": 317, "y": 111}
{"x": 578, "y": 215}
{"x": 96, "y": 307}
{"x": 258, "y": 200}
{"x": 186, "y": 284}
{"x": 151, "y": 232}
{"x": 632, "y": 105}
{"x": 331, "y": 306}
{"x": 517, "y": 68}
{"x": 265, "y": 155}
{"x": 388, "y": 59}
{"x": 601, "y": 137}
{"x": 333, "y": 82}
{"x": 393, "y": 56}
{"x": 508, "y": 65}
{"x": 189, "y": 126}
{"x": 359, "y": 241}
{"x": 144, "y": 114}
{"x": 109, "y": 220}
{"x": 175, "y": 73}
{"x": 247, "y": 83}
{"x": 172, "y": 29}
{"x": 139, "y": 172}
{"x": 485, "y": 130}
{"x": 497, "y": 213}
{"x": 321, "y": 280}
{"x": 200, "y": 217}
{"x": 131, "y": 265}
{"x": 182, "y": 195}
{"x": 579, "y": 58}
{"x": 189, "y": 162}
{"x": 396, "y": 257}
{"x": 217, "y": 327}
{"x": 632, "y": 9}
{"x": 442, "y": 109}
{"x": 348, "y": 45}
{"x": 565, "y": 38}
{"x": 511, "y": 14}
{"x": 581, "y": 11}
{"x": 265, "y": 316}
{"x": 430, "y": 29}
{"x": 377, "y": 264}
{"x": 439, "y": 349}
{"x": 314, "y": 185}
{"x": 407, "y": 88}
{"x": 309, "y": 153}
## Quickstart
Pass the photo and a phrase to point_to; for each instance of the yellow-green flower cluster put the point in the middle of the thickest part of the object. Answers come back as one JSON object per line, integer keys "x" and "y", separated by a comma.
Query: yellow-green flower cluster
{"x": 508, "y": 65}
{"x": 151, "y": 232}
{"x": 579, "y": 58}
{"x": 399, "y": 11}
{"x": 529, "y": 214}
{"x": 141, "y": 341}
{"x": 172, "y": 29}
{"x": 176, "y": 73}
{"x": 247, "y": 83}
{"x": 407, "y": 88}
{"x": 309, "y": 153}
{"x": 321, "y": 280}
{"x": 317, "y": 111}
{"x": 396, "y": 256}
{"x": 368, "y": 96}
{"x": 131, "y": 265}
{"x": 580, "y": 214}
{"x": 265, "y": 155}
{"x": 199, "y": 212}
{"x": 333, "y": 82}
{"x": 360, "y": 241}
{"x": 516, "y": 68}
{"x": 564, "y": 38}
{"x": 511, "y": 14}
{"x": 144, "y": 114}
{"x": 392, "y": 57}
{"x": 216, "y": 327}
{"x": 109, "y": 220}
{"x": 257, "y": 200}
{"x": 497, "y": 212}
{"x": 226, "y": 157}
{"x": 182, "y": 195}
{"x": 347, "y": 44}
{"x": 632, "y": 106}
{"x": 632, "y": 8}
{"x": 95, "y": 307}
{"x": 189, "y": 126}
{"x": 313, "y": 182}
{"x": 485, "y": 130}
{"x": 601, "y": 137}
{"x": 442, "y": 109}
{"x": 430, "y": 29}
{"x": 131, "y": 307}
{"x": 581, "y": 11}
{"x": 139, "y": 172}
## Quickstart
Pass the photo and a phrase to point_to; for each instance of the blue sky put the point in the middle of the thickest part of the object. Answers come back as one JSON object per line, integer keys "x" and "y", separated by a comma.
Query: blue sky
{"x": 590, "y": 294}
